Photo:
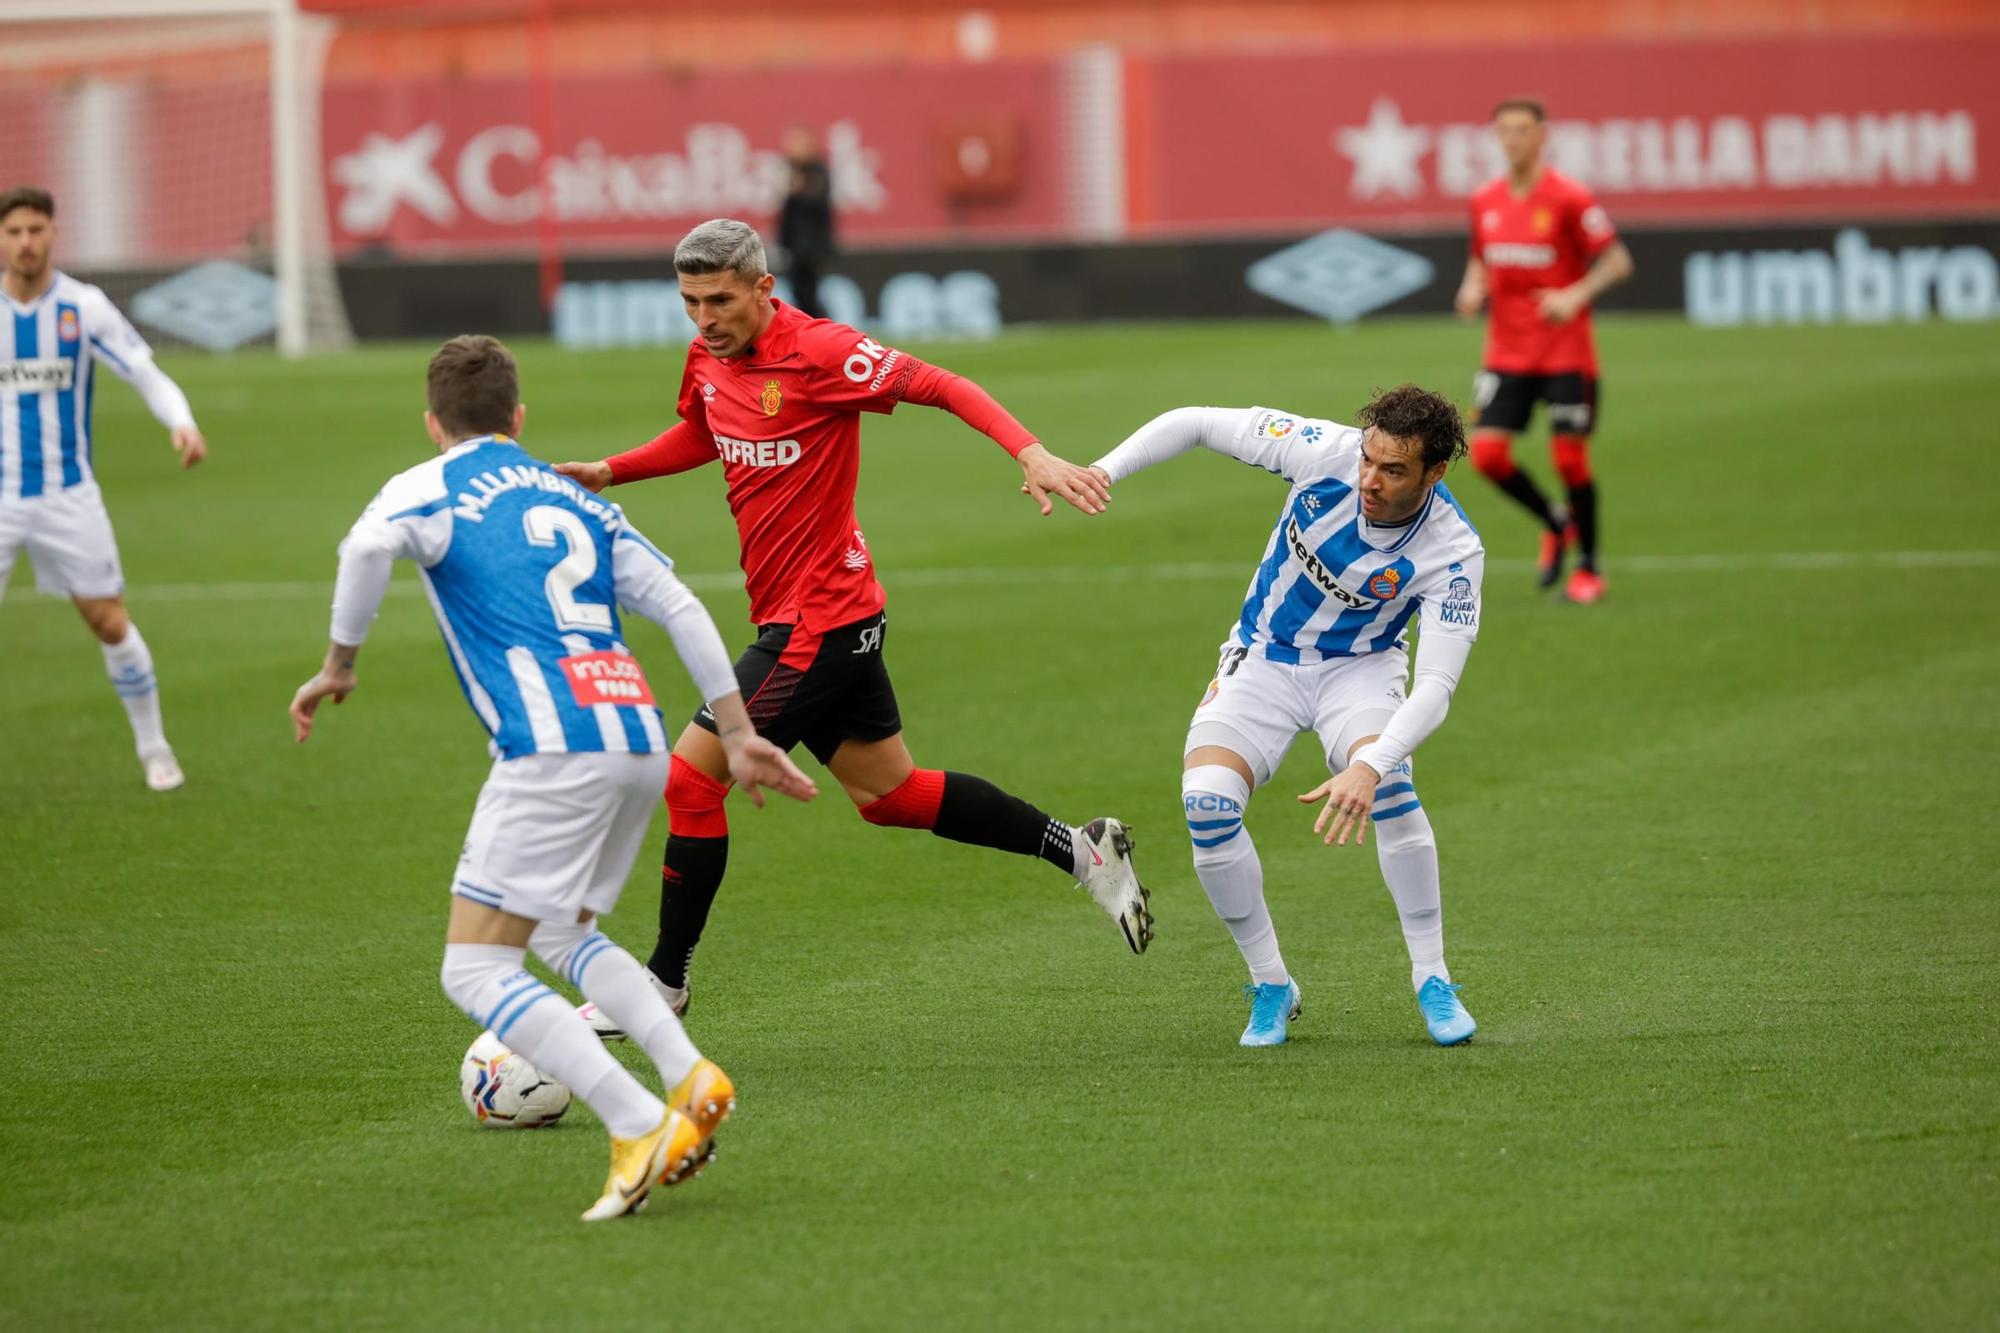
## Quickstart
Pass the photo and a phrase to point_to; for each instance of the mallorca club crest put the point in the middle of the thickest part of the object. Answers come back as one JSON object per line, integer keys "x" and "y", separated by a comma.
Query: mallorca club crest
{"x": 1382, "y": 585}
{"x": 772, "y": 398}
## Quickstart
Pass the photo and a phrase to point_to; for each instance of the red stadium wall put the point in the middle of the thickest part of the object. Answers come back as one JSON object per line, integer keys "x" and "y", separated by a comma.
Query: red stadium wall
{"x": 459, "y": 129}
{"x": 1691, "y": 132}
{"x": 402, "y": 37}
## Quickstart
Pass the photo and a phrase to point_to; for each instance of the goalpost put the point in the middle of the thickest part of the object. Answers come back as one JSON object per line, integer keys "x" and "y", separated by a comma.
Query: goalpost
{"x": 181, "y": 140}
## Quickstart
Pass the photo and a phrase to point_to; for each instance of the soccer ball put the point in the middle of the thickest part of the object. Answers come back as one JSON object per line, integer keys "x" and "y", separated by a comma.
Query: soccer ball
{"x": 504, "y": 1091}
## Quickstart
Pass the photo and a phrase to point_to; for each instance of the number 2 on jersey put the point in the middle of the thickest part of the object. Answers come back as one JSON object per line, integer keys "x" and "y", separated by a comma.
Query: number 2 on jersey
{"x": 542, "y": 523}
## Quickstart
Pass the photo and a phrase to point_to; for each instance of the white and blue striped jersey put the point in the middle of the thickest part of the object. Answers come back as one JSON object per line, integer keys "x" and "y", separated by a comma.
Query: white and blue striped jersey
{"x": 525, "y": 571}
{"x": 49, "y": 354}
{"x": 1332, "y": 584}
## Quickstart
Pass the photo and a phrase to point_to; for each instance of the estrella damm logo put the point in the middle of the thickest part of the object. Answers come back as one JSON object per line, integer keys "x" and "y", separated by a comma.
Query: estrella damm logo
{"x": 1384, "y": 583}
{"x": 772, "y": 398}
{"x": 66, "y": 327}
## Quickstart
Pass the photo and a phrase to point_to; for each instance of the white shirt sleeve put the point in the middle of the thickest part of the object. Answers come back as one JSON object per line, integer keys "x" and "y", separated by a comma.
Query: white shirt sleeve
{"x": 1291, "y": 446}
{"x": 405, "y": 521}
{"x": 118, "y": 345}
{"x": 647, "y": 586}
{"x": 1449, "y": 619}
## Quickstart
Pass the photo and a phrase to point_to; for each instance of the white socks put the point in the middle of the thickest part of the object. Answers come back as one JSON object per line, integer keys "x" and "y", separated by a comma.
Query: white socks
{"x": 129, "y": 663}
{"x": 614, "y": 981}
{"x": 1225, "y": 860}
{"x": 1407, "y": 850}
{"x": 488, "y": 982}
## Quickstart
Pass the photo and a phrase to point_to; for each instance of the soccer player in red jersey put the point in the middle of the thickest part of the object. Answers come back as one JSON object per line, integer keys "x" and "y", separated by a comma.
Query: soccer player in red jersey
{"x": 1542, "y": 252}
{"x": 777, "y": 395}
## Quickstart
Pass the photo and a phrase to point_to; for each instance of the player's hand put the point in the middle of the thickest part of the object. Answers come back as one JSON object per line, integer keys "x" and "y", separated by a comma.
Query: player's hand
{"x": 1560, "y": 305}
{"x": 590, "y": 476}
{"x": 756, "y": 763}
{"x": 338, "y": 684}
{"x": 1349, "y": 798}
{"x": 1085, "y": 488}
{"x": 1471, "y": 296}
{"x": 189, "y": 445}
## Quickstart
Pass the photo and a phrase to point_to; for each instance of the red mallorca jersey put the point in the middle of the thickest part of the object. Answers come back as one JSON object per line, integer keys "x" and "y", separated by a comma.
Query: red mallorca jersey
{"x": 786, "y": 420}
{"x": 1544, "y": 239}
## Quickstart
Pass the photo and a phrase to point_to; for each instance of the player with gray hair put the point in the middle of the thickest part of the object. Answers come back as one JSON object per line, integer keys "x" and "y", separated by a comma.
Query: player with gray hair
{"x": 722, "y": 245}
{"x": 777, "y": 396}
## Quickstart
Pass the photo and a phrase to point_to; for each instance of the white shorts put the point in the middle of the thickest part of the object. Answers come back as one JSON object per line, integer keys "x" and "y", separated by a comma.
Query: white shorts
{"x": 68, "y": 537}
{"x": 555, "y": 835}
{"x": 1256, "y": 707}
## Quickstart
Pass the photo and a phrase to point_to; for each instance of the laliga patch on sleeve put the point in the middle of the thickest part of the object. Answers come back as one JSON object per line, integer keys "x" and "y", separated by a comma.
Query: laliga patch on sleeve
{"x": 1272, "y": 426}
{"x": 606, "y": 678}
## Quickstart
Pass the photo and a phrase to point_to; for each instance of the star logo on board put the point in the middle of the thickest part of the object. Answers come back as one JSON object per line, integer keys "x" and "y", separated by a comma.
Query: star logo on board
{"x": 385, "y": 174}
{"x": 1386, "y": 153}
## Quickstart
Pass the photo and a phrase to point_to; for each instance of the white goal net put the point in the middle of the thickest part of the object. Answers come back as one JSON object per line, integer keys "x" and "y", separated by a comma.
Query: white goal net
{"x": 180, "y": 140}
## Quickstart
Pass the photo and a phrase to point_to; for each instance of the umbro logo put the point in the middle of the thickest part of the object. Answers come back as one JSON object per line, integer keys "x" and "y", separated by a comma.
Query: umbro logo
{"x": 1340, "y": 275}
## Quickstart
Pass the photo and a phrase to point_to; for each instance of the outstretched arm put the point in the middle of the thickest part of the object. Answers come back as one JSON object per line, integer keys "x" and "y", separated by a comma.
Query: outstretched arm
{"x": 391, "y": 528}
{"x": 1046, "y": 474}
{"x": 366, "y": 559}
{"x": 1350, "y": 794}
{"x": 680, "y": 448}
{"x": 648, "y": 586}
{"x": 132, "y": 361}
{"x": 1255, "y": 435}
{"x": 1450, "y": 621}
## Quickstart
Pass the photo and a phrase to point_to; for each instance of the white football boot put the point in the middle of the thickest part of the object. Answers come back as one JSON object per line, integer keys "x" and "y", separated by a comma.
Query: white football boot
{"x": 606, "y": 1027}
{"x": 163, "y": 771}
{"x": 1106, "y": 852}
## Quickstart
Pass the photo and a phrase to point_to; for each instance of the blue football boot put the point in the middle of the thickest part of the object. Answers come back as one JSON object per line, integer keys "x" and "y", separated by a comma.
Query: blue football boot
{"x": 1272, "y": 1006}
{"x": 1446, "y": 1017}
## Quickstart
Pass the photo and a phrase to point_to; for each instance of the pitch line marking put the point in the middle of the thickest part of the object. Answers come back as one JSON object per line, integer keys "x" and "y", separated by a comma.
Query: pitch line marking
{"x": 1777, "y": 562}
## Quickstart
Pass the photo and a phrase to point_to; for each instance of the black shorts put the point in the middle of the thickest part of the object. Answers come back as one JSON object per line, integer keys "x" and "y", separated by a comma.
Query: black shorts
{"x": 819, "y": 689}
{"x": 1506, "y": 401}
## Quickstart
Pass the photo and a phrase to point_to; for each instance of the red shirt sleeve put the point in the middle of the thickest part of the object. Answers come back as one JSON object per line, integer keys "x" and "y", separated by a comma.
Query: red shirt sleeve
{"x": 678, "y": 449}
{"x": 857, "y": 373}
{"x": 685, "y": 445}
{"x": 933, "y": 386}
{"x": 1478, "y": 251}
{"x": 1590, "y": 224}
{"x": 853, "y": 372}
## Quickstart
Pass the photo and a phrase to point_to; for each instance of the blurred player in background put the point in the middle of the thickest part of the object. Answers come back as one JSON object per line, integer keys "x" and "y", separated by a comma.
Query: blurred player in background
{"x": 525, "y": 572}
{"x": 805, "y": 220}
{"x": 1542, "y": 251}
{"x": 58, "y": 331}
{"x": 1368, "y": 540}
{"x": 778, "y": 397}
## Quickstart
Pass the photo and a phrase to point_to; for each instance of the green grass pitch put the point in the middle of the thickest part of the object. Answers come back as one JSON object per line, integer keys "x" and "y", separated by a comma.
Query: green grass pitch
{"x": 1719, "y": 861}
